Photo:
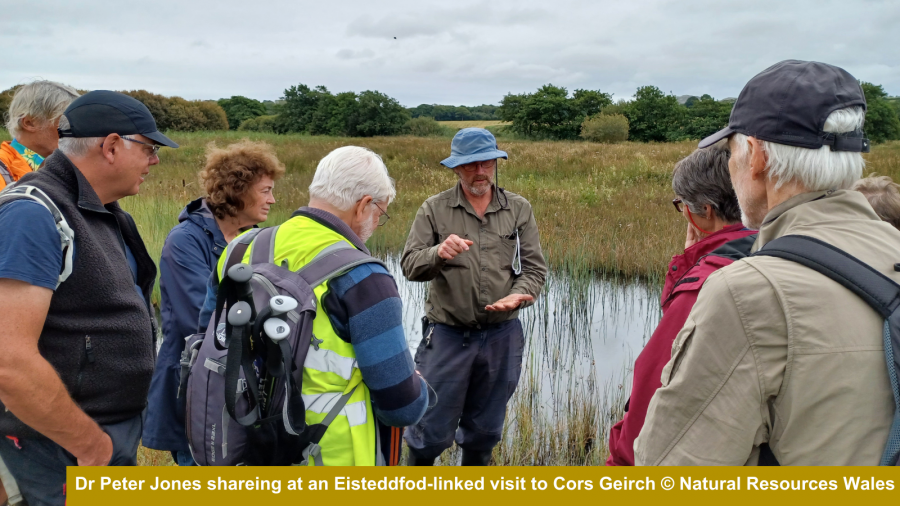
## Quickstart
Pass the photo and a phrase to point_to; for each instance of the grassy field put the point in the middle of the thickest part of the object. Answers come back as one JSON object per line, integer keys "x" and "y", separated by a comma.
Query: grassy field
{"x": 476, "y": 123}
{"x": 603, "y": 210}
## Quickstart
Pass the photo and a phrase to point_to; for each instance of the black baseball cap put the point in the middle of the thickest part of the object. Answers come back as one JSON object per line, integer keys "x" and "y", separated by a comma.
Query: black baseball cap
{"x": 101, "y": 112}
{"x": 788, "y": 103}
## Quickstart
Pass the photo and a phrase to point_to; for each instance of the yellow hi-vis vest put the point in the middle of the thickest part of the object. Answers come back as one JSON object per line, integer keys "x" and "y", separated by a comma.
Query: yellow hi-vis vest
{"x": 331, "y": 369}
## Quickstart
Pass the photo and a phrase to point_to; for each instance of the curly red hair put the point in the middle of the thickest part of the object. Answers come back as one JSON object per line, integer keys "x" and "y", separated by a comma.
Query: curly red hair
{"x": 231, "y": 171}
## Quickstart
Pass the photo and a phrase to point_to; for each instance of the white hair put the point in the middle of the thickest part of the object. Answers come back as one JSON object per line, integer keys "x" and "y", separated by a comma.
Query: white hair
{"x": 816, "y": 169}
{"x": 77, "y": 147}
{"x": 348, "y": 174}
{"x": 42, "y": 100}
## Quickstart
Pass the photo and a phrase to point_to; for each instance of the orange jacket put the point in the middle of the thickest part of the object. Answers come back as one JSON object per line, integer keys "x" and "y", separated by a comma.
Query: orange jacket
{"x": 15, "y": 163}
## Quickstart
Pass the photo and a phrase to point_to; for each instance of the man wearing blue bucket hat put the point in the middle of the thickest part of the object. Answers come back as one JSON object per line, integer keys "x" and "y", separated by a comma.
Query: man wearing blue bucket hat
{"x": 479, "y": 246}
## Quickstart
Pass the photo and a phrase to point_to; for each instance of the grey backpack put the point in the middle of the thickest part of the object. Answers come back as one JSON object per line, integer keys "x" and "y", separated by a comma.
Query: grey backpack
{"x": 244, "y": 374}
{"x": 879, "y": 291}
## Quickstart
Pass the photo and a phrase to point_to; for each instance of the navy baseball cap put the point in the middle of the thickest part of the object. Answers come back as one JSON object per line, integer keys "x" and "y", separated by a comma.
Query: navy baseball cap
{"x": 788, "y": 104}
{"x": 100, "y": 113}
{"x": 472, "y": 145}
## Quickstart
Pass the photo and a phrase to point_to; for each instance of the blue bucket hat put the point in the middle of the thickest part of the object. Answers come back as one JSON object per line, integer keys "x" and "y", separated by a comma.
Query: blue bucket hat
{"x": 472, "y": 145}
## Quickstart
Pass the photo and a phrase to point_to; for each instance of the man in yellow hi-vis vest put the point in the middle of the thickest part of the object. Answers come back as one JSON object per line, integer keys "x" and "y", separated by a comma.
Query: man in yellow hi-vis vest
{"x": 359, "y": 340}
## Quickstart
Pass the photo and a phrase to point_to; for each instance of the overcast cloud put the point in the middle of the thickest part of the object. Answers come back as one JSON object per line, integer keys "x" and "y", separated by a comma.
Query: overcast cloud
{"x": 468, "y": 52}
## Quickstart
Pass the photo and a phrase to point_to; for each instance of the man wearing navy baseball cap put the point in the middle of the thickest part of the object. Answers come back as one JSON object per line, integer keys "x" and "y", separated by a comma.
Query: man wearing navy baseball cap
{"x": 779, "y": 363}
{"x": 479, "y": 246}
{"x": 79, "y": 332}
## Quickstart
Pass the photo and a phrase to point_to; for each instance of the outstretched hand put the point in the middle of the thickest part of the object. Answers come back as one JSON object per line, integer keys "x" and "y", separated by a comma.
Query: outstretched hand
{"x": 509, "y": 303}
{"x": 452, "y": 246}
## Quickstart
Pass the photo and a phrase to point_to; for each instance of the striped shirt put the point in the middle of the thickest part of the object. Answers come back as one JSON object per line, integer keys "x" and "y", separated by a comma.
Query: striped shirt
{"x": 365, "y": 310}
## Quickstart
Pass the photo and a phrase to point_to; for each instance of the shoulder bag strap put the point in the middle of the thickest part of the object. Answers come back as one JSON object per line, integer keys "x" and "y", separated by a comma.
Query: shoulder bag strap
{"x": 879, "y": 291}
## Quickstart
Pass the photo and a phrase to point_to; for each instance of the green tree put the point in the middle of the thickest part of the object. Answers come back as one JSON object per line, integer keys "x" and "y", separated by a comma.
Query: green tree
{"x": 238, "y": 109}
{"x": 705, "y": 117}
{"x": 176, "y": 113}
{"x": 379, "y": 114}
{"x": 610, "y": 128}
{"x": 882, "y": 121}
{"x": 298, "y": 108}
{"x": 655, "y": 116}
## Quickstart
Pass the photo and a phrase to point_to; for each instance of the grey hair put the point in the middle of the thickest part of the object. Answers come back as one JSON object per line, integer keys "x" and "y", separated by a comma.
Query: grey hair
{"x": 816, "y": 169}
{"x": 348, "y": 174}
{"x": 702, "y": 178}
{"x": 77, "y": 147}
{"x": 42, "y": 100}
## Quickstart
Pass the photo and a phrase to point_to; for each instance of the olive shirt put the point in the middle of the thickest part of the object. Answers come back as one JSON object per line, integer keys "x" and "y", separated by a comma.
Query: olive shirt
{"x": 462, "y": 287}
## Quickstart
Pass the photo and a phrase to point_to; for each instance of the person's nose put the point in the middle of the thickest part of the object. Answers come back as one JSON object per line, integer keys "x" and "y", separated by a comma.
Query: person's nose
{"x": 271, "y": 199}
{"x": 154, "y": 159}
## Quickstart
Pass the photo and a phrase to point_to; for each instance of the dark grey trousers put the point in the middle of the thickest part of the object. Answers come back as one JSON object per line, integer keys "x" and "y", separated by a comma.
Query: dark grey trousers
{"x": 474, "y": 377}
{"x": 39, "y": 465}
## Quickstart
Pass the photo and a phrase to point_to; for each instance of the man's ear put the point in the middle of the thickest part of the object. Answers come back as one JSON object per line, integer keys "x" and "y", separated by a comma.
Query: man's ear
{"x": 112, "y": 144}
{"x": 30, "y": 124}
{"x": 759, "y": 159}
{"x": 361, "y": 206}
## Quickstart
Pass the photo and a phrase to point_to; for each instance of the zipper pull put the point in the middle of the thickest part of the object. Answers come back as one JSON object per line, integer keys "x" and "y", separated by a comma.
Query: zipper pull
{"x": 89, "y": 349}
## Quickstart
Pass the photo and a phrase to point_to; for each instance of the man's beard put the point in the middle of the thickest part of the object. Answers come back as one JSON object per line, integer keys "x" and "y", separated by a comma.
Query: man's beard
{"x": 477, "y": 190}
{"x": 367, "y": 229}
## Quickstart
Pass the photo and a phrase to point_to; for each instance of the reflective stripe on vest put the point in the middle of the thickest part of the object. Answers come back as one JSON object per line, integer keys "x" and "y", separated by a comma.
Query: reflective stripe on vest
{"x": 322, "y": 403}
{"x": 328, "y": 361}
{"x": 332, "y": 369}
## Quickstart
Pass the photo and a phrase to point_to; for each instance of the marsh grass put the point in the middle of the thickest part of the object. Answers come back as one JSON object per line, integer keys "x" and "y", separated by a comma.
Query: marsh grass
{"x": 602, "y": 210}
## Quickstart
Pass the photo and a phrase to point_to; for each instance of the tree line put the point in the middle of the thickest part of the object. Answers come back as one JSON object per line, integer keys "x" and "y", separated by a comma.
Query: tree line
{"x": 550, "y": 112}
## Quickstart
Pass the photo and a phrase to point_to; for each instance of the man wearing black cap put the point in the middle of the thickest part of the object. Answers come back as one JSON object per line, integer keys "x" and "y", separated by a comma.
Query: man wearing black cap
{"x": 777, "y": 363}
{"x": 78, "y": 349}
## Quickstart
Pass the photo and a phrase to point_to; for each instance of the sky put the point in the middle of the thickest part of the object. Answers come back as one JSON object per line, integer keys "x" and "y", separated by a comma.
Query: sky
{"x": 459, "y": 53}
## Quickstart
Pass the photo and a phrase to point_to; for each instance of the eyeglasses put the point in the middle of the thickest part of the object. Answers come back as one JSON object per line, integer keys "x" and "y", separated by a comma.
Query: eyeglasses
{"x": 677, "y": 203}
{"x": 471, "y": 167}
{"x": 153, "y": 147}
{"x": 384, "y": 215}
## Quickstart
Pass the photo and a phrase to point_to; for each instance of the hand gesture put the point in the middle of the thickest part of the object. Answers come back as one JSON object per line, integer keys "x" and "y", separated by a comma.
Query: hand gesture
{"x": 452, "y": 246}
{"x": 509, "y": 303}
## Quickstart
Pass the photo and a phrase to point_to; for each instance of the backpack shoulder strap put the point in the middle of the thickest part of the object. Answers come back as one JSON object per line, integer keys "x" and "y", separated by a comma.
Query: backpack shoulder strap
{"x": 237, "y": 248}
{"x": 333, "y": 261}
{"x": 66, "y": 234}
{"x": 5, "y": 174}
{"x": 262, "y": 250}
{"x": 879, "y": 291}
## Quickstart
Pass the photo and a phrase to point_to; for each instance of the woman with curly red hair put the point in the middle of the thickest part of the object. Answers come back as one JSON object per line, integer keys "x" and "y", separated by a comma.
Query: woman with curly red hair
{"x": 239, "y": 180}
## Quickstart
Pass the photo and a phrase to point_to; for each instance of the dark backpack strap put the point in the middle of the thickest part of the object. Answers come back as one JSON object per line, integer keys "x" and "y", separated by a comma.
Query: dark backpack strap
{"x": 878, "y": 290}
{"x": 333, "y": 261}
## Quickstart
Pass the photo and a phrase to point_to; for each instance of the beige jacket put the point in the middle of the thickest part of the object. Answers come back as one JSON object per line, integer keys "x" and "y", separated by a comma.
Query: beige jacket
{"x": 776, "y": 352}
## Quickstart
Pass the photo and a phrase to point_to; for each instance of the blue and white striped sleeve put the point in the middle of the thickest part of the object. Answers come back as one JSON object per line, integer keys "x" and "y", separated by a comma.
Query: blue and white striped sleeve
{"x": 365, "y": 309}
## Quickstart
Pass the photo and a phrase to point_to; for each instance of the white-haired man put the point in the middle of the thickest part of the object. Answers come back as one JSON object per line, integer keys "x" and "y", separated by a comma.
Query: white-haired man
{"x": 358, "y": 326}
{"x": 778, "y": 363}
{"x": 32, "y": 120}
